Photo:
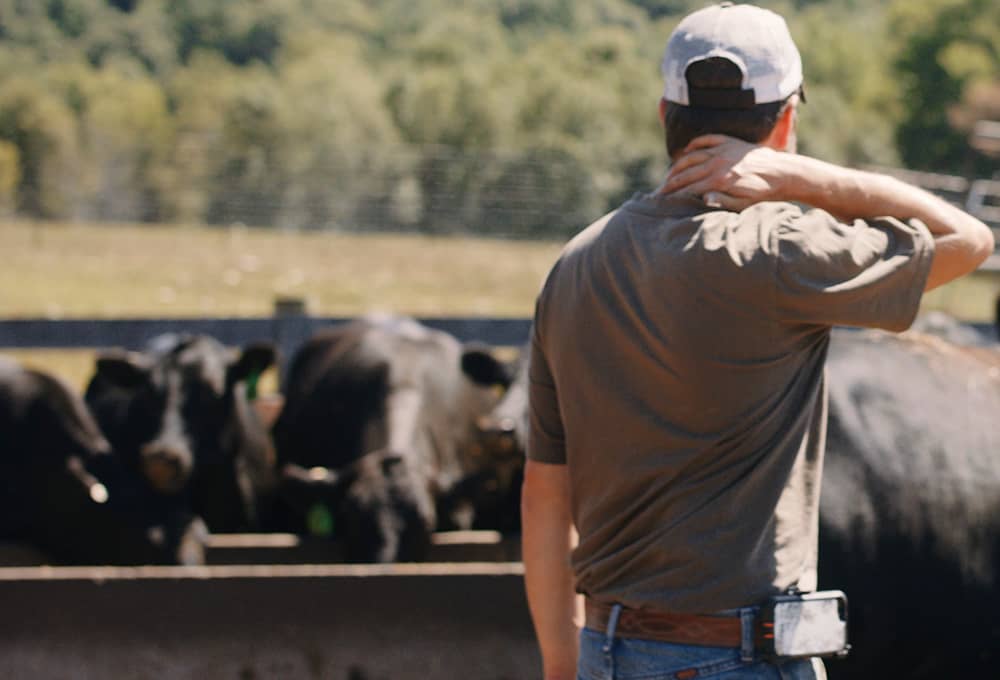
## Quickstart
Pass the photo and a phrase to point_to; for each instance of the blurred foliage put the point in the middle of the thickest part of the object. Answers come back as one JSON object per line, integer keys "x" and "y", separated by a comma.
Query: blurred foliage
{"x": 10, "y": 176}
{"x": 947, "y": 50}
{"x": 508, "y": 117}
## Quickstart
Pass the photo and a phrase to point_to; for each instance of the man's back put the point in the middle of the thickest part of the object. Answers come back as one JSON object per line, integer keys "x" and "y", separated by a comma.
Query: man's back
{"x": 695, "y": 436}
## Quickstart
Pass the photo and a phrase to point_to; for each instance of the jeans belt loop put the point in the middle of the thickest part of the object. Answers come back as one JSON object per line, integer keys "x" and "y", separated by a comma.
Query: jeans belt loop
{"x": 747, "y": 616}
{"x": 609, "y": 637}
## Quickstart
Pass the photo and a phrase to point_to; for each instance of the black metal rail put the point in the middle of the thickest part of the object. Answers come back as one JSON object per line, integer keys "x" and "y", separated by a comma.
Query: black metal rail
{"x": 287, "y": 331}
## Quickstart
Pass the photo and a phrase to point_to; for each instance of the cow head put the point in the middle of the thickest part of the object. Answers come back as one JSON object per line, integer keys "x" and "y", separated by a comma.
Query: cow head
{"x": 392, "y": 391}
{"x": 489, "y": 494}
{"x": 487, "y": 380}
{"x": 179, "y": 413}
{"x": 63, "y": 491}
{"x": 53, "y": 436}
{"x": 503, "y": 432}
{"x": 376, "y": 507}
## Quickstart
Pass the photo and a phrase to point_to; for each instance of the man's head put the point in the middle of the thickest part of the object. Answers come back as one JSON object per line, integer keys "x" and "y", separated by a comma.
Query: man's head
{"x": 731, "y": 69}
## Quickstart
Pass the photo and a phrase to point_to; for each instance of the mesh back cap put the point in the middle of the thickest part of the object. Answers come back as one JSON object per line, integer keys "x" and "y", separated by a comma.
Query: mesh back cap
{"x": 755, "y": 39}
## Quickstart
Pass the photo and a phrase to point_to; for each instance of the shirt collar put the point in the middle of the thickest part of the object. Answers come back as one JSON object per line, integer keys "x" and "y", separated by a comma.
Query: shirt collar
{"x": 660, "y": 204}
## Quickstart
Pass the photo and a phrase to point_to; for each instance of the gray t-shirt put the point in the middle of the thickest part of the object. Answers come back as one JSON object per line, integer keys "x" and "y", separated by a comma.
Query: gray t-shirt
{"x": 677, "y": 368}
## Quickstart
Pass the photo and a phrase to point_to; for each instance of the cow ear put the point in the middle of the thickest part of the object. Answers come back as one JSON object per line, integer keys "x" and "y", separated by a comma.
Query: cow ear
{"x": 253, "y": 360}
{"x": 123, "y": 369}
{"x": 479, "y": 364}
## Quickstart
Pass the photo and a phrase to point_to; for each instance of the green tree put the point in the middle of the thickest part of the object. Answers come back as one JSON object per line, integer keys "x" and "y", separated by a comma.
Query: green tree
{"x": 342, "y": 148}
{"x": 123, "y": 133}
{"x": 523, "y": 117}
{"x": 42, "y": 129}
{"x": 852, "y": 94}
{"x": 143, "y": 34}
{"x": 10, "y": 176}
{"x": 193, "y": 176}
{"x": 243, "y": 32}
{"x": 229, "y": 160}
{"x": 945, "y": 48}
{"x": 444, "y": 99}
{"x": 592, "y": 101}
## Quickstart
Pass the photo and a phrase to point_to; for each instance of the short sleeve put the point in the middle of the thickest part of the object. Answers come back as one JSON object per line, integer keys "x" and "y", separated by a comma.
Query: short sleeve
{"x": 546, "y": 443}
{"x": 868, "y": 273}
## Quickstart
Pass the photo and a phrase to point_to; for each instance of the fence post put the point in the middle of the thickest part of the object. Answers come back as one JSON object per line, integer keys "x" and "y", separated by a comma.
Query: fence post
{"x": 292, "y": 327}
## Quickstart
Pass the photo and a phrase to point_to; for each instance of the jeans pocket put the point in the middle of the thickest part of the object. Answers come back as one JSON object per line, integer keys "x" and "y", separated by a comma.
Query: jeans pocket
{"x": 646, "y": 660}
{"x": 592, "y": 663}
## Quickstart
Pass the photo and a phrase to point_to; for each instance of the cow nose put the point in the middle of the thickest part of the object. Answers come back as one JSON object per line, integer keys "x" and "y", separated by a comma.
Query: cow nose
{"x": 167, "y": 466}
{"x": 497, "y": 434}
{"x": 491, "y": 425}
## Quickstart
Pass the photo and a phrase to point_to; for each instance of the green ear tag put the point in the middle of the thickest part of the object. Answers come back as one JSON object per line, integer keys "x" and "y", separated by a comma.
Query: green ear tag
{"x": 319, "y": 521}
{"x": 251, "y": 382}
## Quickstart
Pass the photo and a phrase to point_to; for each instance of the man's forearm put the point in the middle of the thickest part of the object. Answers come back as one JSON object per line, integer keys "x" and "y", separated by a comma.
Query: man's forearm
{"x": 855, "y": 194}
{"x": 961, "y": 241}
{"x": 547, "y": 538}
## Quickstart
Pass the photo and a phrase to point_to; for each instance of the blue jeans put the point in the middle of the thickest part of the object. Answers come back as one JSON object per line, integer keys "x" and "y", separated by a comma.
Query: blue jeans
{"x": 612, "y": 658}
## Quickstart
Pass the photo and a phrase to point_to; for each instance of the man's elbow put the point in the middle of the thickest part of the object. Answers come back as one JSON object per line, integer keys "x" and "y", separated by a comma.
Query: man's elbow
{"x": 959, "y": 253}
{"x": 975, "y": 242}
{"x": 983, "y": 242}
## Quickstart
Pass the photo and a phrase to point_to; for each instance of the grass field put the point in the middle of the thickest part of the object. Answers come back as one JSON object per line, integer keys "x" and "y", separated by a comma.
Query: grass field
{"x": 116, "y": 271}
{"x": 119, "y": 271}
{"x": 58, "y": 270}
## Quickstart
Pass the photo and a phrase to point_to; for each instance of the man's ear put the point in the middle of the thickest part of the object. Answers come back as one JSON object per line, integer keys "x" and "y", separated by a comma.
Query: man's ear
{"x": 663, "y": 112}
{"x": 783, "y": 137}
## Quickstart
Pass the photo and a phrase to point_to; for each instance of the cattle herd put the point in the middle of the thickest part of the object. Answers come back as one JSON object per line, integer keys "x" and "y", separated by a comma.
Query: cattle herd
{"x": 391, "y": 431}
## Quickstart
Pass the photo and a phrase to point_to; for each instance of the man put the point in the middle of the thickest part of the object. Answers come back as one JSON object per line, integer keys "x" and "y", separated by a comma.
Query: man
{"x": 677, "y": 396}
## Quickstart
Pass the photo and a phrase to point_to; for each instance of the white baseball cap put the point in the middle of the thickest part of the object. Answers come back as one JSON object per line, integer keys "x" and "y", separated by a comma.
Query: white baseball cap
{"x": 754, "y": 39}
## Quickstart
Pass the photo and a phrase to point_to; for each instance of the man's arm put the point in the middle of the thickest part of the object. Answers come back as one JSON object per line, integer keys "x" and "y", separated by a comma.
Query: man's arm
{"x": 547, "y": 536}
{"x": 734, "y": 175}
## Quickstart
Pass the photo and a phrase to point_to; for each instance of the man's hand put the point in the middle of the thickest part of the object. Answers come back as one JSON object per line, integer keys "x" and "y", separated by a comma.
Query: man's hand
{"x": 728, "y": 172}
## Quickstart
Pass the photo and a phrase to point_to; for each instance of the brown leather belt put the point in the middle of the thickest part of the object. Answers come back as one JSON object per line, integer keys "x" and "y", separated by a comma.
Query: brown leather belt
{"x": 684, "y": 629}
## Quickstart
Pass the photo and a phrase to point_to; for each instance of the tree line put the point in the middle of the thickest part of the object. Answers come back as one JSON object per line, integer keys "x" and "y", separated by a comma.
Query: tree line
{"x": 508, "y": 117}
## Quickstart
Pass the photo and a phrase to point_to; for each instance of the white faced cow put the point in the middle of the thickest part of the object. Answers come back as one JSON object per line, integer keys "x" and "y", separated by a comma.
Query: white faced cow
{"x": 179, "y": 414}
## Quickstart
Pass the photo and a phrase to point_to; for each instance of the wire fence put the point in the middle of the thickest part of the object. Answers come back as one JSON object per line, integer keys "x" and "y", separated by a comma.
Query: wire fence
{"x": 541, "y": 193}
{"x": 436, "y": 190}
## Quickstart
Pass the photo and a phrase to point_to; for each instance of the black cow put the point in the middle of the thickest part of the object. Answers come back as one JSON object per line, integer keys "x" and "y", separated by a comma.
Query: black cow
{"x": 65, "y": 494}
{"x": 179, "y": 413}
{"x": 910, "y": 509}
{"x": 947, "y": 327}
{"x": 376, "y": 432}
